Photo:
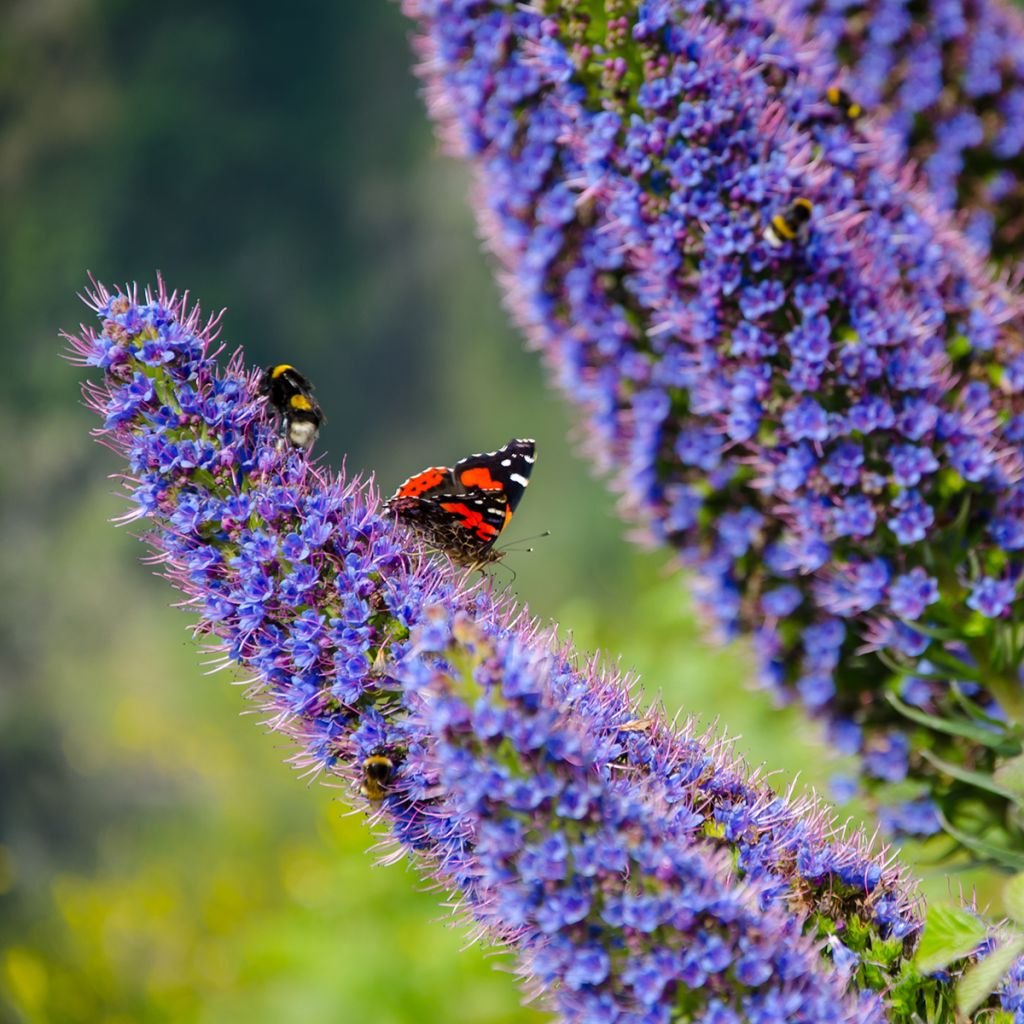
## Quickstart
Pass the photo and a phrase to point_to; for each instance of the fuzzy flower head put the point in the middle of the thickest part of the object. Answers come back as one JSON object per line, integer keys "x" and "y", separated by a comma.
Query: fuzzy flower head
{"x": 797, "y": 370}
{"x": 636, "y": 870}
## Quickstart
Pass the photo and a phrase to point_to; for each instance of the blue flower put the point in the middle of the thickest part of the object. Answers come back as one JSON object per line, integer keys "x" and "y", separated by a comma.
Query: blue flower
{"x": 992, "y": 597}
{"x": 912, "y": 818}
{"x": 886, "y": 757}
{"x": 856, "y": 392}
{"x": 912, "y": 593}
{"x": 582, "y": 843}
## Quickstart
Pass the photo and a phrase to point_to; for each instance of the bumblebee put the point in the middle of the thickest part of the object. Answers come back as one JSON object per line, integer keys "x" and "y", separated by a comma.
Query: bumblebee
{"x": 377, "y": 773}
{"x": 291, "y": 394}
{"x": 842, "y": 101}
{"x": 791, "y": 225}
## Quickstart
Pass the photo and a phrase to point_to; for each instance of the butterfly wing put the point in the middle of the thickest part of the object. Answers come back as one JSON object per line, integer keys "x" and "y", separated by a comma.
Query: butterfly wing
{"x": 505, "y": 471}
{"x": 464, "y": 525}
{"x": 464, "y": 510}
{"x": 434, "y": 480}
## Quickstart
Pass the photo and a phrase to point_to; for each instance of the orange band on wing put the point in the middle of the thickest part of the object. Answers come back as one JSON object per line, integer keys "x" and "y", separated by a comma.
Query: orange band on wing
{"x": 422, "y": 482}
{"x": 472, "y": 521}
{"x": 480, "y": 476}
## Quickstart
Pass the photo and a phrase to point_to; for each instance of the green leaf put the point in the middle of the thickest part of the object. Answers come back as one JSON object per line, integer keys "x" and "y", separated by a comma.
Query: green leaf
{"x": 958, "y": 346}
{"x": 973, "y": 709}
{"x": 949, "y": 934}
{"x": 956, "y": 727}
{"x": 959, "y": 669}
{"x": 992, "y": 852}
{"x": 1013, "y": 898}
{"x": 978, "y": 779}
{"x": 1010, "y": 774}
{"x": 981, "y": 980}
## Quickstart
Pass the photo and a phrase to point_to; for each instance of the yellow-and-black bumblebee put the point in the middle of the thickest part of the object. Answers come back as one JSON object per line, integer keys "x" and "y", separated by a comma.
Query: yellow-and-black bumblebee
{"x": 377, "y": 774}
{"x": 844, "y": 103}
{"x": 291, "y": 394}
{"x": 791, "y": 225}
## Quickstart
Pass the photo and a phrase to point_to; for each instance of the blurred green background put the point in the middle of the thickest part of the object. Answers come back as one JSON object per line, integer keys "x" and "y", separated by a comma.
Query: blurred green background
{"x": 158, "y": 861}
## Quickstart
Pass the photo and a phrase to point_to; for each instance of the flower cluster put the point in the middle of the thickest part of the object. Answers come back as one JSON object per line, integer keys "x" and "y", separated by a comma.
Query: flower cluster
{"x": 947, "y": 80}
{"x": 825, "y": 423}
{"x": 638, "y": 871}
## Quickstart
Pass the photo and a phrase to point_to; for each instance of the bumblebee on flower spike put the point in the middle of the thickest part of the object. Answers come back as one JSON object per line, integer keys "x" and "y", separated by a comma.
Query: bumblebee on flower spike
{"x": 791, "y": 225}
{"x": 291, "y": 394}
{"x": 377, "y": 772}
{"x": 845, "y": 104}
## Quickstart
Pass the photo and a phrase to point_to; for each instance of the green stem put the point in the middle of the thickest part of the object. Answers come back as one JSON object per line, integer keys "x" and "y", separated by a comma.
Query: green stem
{"x": 1007, "y": 690}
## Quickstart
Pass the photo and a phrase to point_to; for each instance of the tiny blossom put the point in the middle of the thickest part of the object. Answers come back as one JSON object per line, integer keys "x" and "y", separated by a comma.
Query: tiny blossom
{"x": 857, "y": 394}
{"x": 992, "y": 597}
{"x": 912, "y": 592}
{"x": 886, "y": 758}
{"x": 912, "y": 818}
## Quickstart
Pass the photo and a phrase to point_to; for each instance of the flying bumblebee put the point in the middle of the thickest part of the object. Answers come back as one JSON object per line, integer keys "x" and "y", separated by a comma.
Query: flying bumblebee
{"x": 791, "y": 225}
{"x": 377, "y": 773}
{"x": 291, "y": 394}
{"x": 844, "y": 103}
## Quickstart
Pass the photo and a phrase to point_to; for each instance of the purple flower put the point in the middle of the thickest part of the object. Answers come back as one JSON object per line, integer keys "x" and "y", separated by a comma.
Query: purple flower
{"x": 886, "y": 757}
{"x": 912, "y": 818}
{"x": 910, "y": 463}
{"x": 992, "y": 597}
{"x": 856, "y": 390}
{"x": 913, "y": 518}
{"x": 854, "y": 517}
{"x": 912, "y": 592}
{"x": 806, "y": 420}
{"x": 519, "y": 781}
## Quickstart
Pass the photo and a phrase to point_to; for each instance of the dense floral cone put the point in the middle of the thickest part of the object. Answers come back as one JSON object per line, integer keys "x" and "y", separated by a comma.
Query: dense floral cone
{"x": 636, "y": 870}
{"x": 822, "y": 414}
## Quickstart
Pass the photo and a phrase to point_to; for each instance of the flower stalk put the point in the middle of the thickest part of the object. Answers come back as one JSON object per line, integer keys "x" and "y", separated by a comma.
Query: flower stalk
{"x": 822, "y": 417}
{"x": 637, "y": 871}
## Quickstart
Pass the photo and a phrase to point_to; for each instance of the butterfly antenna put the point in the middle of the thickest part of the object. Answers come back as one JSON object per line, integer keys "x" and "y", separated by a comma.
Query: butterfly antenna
{"x": 525, "y": 540}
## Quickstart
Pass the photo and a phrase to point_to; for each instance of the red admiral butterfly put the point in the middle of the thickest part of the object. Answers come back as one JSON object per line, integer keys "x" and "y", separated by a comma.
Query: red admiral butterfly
{"x": 463, "y": 510}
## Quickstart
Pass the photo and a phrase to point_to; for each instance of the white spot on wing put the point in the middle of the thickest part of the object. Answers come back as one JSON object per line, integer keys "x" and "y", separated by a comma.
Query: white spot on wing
{"x": 521, "y": 480}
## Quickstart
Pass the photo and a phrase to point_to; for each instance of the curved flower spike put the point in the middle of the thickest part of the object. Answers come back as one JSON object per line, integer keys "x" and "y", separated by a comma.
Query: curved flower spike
{"x": 637, "y": 871}
{"x": 798, "y": 371}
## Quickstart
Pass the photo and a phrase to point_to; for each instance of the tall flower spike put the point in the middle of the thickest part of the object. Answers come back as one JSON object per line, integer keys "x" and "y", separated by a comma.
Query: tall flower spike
{"x": 822, "y": 413}
{"x": 637, "y": 871}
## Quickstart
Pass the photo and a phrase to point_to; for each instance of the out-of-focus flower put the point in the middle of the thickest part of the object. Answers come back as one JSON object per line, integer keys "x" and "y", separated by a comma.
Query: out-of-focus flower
{"x": 822, "y": 413}
{"x": 947, "y": 81}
